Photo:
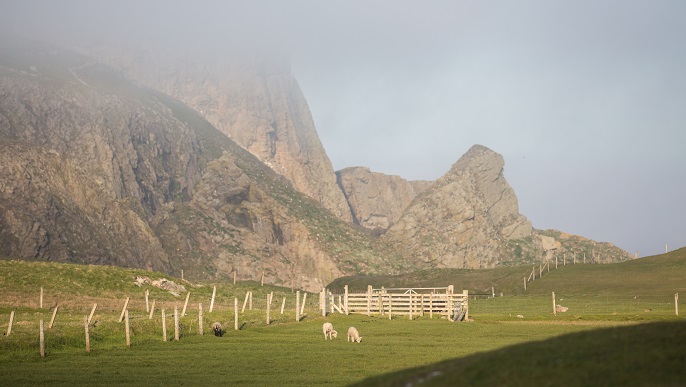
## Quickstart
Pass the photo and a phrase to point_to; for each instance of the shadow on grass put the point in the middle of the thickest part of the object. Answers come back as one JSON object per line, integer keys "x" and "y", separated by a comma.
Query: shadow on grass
{"x": 644, "y": 354}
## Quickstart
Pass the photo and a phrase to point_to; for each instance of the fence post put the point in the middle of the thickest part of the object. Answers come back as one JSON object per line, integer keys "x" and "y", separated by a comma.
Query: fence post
{"x": 250, "y": 301}
{"x": 283, "y": 304}
{"x": 450, "y": 304}
{"x": 345, "y": 302}
{"x": 42, "y": 338}
{"x": 40, "y": 303}
{"x": 524, "y": 283}
{"x": 269, "y": 306}
{"x": 200, "y": 328}
{"x": 164, "y": 325}
{"x": 214, "y": 293}
{"x": 302, "y": 306}
{"x": 123, "y": 310}
{"x": 128, "y": 332}
{"x": 152, "y": 310}
{"x": 421, "y": 310}
{"x": 185, "y": 304}
{"x": 52, "y": 320}
{"x": 9, "y": 327}
{"x": 554, "y": 307}
{"x": 235, "y": 313}
{"x": 411, "y": 306}
{"x": 297, "y": 306}
{"x": 381, "y": 311}
{"x": 90, "y": 316}
{"x": 245, "y": 302}
{"x": 88, "y": 337}
{"x": 369, "y": 300}
{"x": 332, "y": 301}
{"x": 676, "y": 303}
{"x": 176, "y": 323}
{"x": 147, "y": 306}
{"x": 322, "y": 301}
{"x": 556, "y": 260}
{"x": 466, "y": 304}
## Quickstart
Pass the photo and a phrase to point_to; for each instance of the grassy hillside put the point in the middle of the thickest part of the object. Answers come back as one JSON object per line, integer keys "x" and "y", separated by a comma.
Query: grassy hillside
{"x": 656, "y": 275}
{"x": 76, "y": 287}
{"x": 496, "y": 349}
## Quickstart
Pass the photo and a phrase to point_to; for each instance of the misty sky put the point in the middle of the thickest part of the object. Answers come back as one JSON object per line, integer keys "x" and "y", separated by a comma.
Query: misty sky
{"x": 585, "y": 99}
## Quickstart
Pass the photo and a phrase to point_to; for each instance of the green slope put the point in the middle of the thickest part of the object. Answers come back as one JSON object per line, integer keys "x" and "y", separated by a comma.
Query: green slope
{"x": 660, "y": 274}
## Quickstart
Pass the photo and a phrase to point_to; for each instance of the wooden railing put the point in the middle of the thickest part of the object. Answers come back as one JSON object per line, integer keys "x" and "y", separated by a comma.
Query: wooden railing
{"x": 411, "y": 302}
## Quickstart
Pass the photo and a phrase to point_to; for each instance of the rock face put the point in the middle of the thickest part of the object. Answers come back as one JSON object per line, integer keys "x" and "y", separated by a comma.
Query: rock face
{"x": 51, "y": 210}
{"x": 465, "y": 217}
{"x": 95, "y": 169}
{"x": 258, "y": 104}
{"x": 377, "y": 201}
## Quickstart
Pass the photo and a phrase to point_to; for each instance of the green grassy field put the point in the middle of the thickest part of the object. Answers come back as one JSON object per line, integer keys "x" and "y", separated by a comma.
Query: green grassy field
{"x": 606, "y": 338}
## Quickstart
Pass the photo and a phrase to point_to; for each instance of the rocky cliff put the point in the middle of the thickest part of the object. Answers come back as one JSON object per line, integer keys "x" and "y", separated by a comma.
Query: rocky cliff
{"x": 255, "y": 101}
{"x": 469, "y": 218}
{"x": 463, "y": 219}
{"x": 96, "y": 169}
{"x": 50, "y": 209}
{"x": 377, "y": 200}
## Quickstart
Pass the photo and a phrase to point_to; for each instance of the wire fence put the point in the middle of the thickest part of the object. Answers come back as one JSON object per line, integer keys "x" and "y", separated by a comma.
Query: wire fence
{"x": 578, "y": 306}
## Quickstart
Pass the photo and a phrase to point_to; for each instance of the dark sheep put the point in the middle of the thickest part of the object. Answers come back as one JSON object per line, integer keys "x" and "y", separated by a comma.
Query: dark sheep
{"x": 217, "y": 328}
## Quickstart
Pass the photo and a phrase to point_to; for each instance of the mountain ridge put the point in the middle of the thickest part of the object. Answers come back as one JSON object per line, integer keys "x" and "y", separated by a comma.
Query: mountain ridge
{"x": 208, "y": 205}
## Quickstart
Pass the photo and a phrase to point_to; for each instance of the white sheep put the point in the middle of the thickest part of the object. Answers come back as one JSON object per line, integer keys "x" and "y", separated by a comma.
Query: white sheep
{"x": 329, "y": 332}
{"x": 354, "y": 335}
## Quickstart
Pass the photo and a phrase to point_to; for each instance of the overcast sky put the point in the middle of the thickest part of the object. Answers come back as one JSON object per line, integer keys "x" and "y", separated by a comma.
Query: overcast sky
{"x": 585, "y": 99}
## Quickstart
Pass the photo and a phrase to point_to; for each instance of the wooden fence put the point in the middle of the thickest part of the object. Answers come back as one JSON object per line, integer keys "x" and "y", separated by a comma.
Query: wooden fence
{"x": 411, "y": 302}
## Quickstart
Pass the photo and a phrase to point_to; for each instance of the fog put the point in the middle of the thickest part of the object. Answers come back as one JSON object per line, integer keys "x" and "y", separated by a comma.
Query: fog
{"x": 584, "y": 99}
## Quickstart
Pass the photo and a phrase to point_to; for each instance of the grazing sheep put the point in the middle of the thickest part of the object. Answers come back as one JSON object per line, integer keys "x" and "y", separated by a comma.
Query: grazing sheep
{"x": 561, "y": 309}
{"x": 217, "y": 328}
{"x": 354, "y": 335}
{"x": 329, "y": 332}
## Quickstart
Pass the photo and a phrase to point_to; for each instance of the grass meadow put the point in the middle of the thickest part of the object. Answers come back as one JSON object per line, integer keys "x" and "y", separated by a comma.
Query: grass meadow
{"x": 629, "y": 336}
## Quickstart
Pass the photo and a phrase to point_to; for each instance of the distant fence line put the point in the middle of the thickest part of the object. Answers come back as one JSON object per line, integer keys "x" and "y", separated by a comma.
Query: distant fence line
{"x": 578, "y": 306}
{"x": 545, "y": 267}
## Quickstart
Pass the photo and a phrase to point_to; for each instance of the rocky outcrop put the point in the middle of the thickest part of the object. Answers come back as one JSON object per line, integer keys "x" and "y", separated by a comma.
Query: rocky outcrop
{"x": 50, "y": 209}
{"x": 377, "y": 200}
{"x": 232, "y": 224}
{"x": 131, "y": 147}
{"x": 464, "y": 218}
{"x": 257, "y": 103}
